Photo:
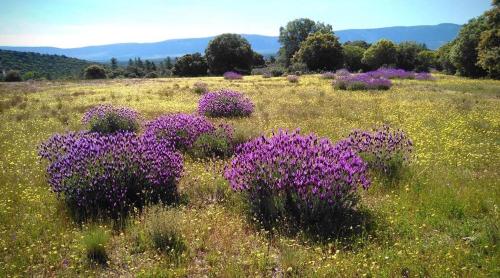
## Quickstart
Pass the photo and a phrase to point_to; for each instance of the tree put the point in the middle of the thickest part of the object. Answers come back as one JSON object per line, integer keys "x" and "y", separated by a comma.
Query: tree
{"x": 229, "y": 52}
{"x": 320, "y": 51}
{"x": 489, "y": 43}
{"x": 425, "y": 60}
{"x": 358, "y": 43}
{"x": 443, "y": 60}
{"x": 12, "y": 76}
{"x": 407, "y": 53}
{"x": 382, "y": 53}
{"x": 464, "y": 53}
{"x": 114, "y": 63}
{"x": 353, "y": 55}
{"x": 190, "y": 65}
{"x": 295, "y": 32}
{"x": 258, "y": 60}
{"x": 95, "y": 72}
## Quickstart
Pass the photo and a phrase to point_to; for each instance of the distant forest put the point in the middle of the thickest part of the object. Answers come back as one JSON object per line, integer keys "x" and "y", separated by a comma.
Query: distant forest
{"x": 37, "y": 66}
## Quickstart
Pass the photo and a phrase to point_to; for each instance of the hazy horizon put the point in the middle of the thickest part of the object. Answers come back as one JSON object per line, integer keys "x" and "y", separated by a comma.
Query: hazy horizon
{"x": 67, "y": 25}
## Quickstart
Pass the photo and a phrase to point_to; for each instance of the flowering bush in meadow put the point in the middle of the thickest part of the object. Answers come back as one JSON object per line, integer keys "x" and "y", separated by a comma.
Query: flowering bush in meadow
{"x": 216, "y": 143}
{"x": 225, "y": 103}
{"x": 302, "y": 180}
{"x": 361, "y": 81}
{"x": 109, "y": 174}
{"x": 391, "y": 73}
{"x": 178, "y": 130}
{"x": 108, "y": 119}
{"x": 200, "y": 87}
{"x": 384, "y": 149}
{"x": 424, "y": 76}
{"x": 292, "y": 78}
{"x": 231, "y": 75}
{"x": 328, "y": 75}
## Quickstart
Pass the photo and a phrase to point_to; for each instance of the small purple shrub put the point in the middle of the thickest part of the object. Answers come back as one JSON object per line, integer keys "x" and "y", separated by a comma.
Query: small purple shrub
{"x": 225, "y": 103}
{"x": 107, "y": 119}
{"x": 424, "y": 76}
{"x": 385, "y": 150}
{"x": 231, "y": 75}
{"x": 302, "y": 179}
{"x": 200, "y": 87}
{"x": 361, "y": 81}
{"x": 217, "y": 143}
{"x": 178, "y": 130}
{"x": 292, "y": 78}
{"x": 110, "y": 174}
{"x": 328, "y": 75}
{"x": 390, "y": 73}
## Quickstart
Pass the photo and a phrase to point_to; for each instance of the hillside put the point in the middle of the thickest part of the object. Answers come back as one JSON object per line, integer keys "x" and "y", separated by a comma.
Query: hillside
{"x": 42, "y": 65}
{"x": 432, "y": 35}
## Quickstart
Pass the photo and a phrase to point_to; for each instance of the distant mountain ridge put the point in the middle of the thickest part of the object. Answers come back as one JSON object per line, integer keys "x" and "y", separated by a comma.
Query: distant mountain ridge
{"x": 432, "y": 35}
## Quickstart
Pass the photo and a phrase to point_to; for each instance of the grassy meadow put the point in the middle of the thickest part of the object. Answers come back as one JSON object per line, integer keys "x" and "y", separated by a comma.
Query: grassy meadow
{"x": 440, "y": 220}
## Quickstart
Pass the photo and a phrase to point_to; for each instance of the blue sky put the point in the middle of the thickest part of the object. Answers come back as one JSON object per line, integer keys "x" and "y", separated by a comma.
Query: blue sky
{"x": 74, "y": 23}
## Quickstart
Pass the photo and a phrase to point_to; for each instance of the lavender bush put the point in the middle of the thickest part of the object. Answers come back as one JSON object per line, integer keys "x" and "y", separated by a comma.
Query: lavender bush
{"x": 108, "y": 119}
{"x": 361, "y": 81}
{"x": 225, "y": 103}
{"x": 231, "y": 75}
{"x": 385, "y": 150}
{"x": 109, "y": 174}
{"x": 200, "y": 87}
{"x": 292, "y": 78}
{"x": 328, "y": 75}
{"x": 178, "y": 130}
{"x": 217, "y": 143}
{"x": 298, "y": 180}
{"x": 424, "y": 76}
{"x": 391, "y": 73}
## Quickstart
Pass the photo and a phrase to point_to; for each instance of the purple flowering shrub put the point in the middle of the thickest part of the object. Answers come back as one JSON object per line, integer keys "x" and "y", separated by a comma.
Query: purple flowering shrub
{"x": 178, "y": 130}
{"x": 298, "y": 181}
{"x": 424, "y": 76}
{"x": 385, "y": 150}
{"x": 292, "y": 78}
{"x": 391, "y": 73}
{"x": 107, "y": 119}
{"x": 231, "y": 75}
{"x": 361, "y": 81}
{"x": 200, "y": 87}
{"x": 328, "y": 75}
{"x": 225, "y": 103}
{"x": 217, "y": 143}
{"x": 110, "y": 174}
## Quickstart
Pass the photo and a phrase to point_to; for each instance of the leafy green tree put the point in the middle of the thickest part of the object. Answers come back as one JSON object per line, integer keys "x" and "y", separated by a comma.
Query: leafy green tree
{"x": 114, "y": 63}
{"x": 464, "y": 53}
{"x": 229, "y": 52}
{"x": 358, "y": 43}
{"x": 168, "y": 63}
{"x": 12, "y": 76}
{"x": 407, "y": 53}
{"x": 443, "y": 59}
{"x": 95, "y": 72}
{"x": 295, "y": 32}
{"x": 258, "y": 60}
{"x": 425, "y": 60}
{"x": 191, "y": 65}
{"x": 353, "y": 56}
{"x": 489, "y": 43}
{"x": 382, "y": 53}
{"x": 321, "y": 51}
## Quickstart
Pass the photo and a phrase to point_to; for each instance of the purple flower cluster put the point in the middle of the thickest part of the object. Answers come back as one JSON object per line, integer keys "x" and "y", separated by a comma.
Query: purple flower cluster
{"x": 225, "y": 103}
{"x": 231, "y": 75}
{"x": 361, "y": 81}
{"x": 106, "y": 118}
{"x": 109, "y": 174}
{"x": 328, "y": 75}
{"x": 381, "y": 147}
{"x": 292, "y": 78}
{"x": 391, "y": 73}
{"x": 312, "y": 168}
{"x": 178, "y": 130}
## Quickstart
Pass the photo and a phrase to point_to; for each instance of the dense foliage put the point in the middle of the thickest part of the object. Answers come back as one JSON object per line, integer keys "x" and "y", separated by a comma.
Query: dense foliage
{"x": 94, "y": 72}
{"x": 320, "y": 51}
{"x": 42, "y": 65}
{"x": 12, "y": 76}
{"x": 231, "y": 75}
{"x": 295, "y": 32}
{"x": 229, "y": 52}
{"x": 353, "y": 56}
{"x": 382, "y": 53}
{"x": 216, "y": 143}
{"x": 489, "y": 43}
{"x": 107, "y": 119}
{"x": 110, "y": 174}
{"x": 178, "y": 130}
{"x": 190, "y": 65}
{"x": 304, "y": 180}
{"x": 225, "y": 103}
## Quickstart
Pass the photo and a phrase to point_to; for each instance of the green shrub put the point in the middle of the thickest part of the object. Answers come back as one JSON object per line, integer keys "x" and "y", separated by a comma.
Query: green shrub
{"x": 94, "y": 242}
{"x": 12, "y": 76}
{"x": 163, "y": 227}
{"x": 214, "y": 144}
{"x": 95, "y": 72}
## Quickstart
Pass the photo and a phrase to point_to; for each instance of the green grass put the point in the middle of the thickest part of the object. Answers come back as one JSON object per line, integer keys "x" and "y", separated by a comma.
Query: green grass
{"x": 440, "y": 219}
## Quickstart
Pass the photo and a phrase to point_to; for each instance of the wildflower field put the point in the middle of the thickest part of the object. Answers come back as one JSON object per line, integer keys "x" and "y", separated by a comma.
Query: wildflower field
{"x": 439, "y": 218}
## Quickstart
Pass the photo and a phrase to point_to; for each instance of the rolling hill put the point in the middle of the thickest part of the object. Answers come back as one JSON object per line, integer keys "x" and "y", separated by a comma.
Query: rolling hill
{"x": 432, "y": 35}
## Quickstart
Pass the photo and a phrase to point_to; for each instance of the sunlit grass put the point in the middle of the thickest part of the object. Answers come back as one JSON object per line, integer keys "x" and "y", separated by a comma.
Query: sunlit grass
{"x": 440, "y": 219}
